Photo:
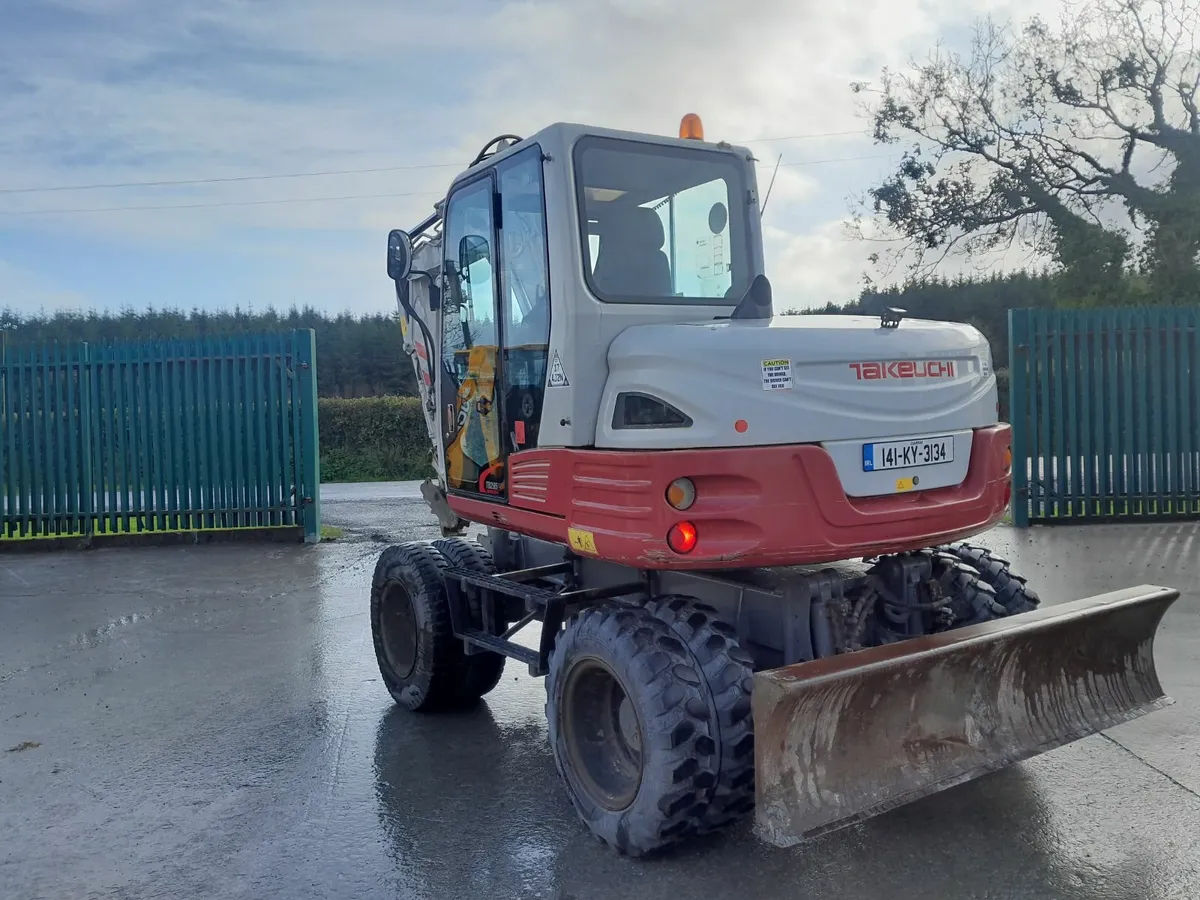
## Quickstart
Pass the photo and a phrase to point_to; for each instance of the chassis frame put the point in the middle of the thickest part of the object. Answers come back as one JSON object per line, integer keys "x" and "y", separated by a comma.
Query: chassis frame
{"x": 782, "y": 615}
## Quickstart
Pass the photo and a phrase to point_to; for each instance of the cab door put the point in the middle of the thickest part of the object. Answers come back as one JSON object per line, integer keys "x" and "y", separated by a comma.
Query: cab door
{"x": 469, "y": 376}
{"x": 524, "y": 296}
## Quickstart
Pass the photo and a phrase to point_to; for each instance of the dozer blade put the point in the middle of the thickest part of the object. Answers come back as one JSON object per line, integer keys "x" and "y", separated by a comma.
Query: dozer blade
{"x": 848, "y": 737}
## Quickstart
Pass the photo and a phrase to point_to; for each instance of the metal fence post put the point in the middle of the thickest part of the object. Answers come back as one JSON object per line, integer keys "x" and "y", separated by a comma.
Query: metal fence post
{"x": 8, "y": 489}
{"x": 87, "y": 439}
{"x": 310, "y": 495}
{"x": 1018, "y": 405}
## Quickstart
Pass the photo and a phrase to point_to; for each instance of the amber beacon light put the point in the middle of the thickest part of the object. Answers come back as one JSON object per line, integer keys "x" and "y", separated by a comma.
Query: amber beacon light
{"x": 691, "y": 128}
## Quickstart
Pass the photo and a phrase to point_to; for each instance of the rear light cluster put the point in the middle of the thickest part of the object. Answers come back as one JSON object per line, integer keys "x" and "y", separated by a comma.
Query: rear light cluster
{"x": 681, "y": 494}
{"x": 682, "y": 537}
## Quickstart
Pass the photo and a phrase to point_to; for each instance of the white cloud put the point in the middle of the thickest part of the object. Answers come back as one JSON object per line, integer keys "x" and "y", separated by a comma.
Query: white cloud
{"x": 27, "y": 293}
{"x": 140, "y": 91}
{"x": 813, "y": 268}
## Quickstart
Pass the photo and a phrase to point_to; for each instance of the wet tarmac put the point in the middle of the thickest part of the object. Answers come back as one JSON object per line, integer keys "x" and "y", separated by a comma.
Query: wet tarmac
{"x": 196, "y": 722}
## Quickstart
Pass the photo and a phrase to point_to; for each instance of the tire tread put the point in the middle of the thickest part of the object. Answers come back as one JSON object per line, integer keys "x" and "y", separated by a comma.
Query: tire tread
{"x": 1011, "y": 590}
{"x": 678, "y": 778}
{"x": 728, "y": 670}
{"x": 483, "y": 670}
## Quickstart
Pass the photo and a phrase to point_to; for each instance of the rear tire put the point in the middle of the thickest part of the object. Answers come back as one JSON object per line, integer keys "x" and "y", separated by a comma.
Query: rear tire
{"x": 421, "y": 661}
{"x": 972, "y": 600}
{"x": 630, "y": 729}
{"x": 1011, "y": 590}
{"x": 484, "y": 669}
{"x": 728, "y": 673}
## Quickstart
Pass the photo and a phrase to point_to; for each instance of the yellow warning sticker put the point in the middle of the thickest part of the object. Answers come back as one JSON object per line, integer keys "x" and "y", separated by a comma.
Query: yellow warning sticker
{"x": 582, "y": 541}
{"x": 777, "y": 374}
{"x": 905, "y": 484}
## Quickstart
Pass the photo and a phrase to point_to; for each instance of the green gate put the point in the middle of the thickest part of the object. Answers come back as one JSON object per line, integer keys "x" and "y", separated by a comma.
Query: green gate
{"x": 1105, "y": 409}
{"x": 153, "y": 437}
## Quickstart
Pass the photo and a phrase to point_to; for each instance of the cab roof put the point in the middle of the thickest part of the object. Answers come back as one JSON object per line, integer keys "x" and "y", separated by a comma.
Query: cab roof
{"x": 565, "y": 134}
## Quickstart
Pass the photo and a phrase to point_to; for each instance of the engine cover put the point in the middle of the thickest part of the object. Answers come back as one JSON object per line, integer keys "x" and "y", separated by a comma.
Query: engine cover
{"x": 796, "y": 380}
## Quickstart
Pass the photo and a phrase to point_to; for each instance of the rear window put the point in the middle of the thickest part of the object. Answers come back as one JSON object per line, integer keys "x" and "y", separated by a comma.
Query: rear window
{"x": 662, "y": 224}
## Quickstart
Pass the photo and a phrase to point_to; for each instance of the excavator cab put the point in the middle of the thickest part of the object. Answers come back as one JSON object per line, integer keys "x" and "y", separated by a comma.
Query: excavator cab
{"x": 562, "y": 240}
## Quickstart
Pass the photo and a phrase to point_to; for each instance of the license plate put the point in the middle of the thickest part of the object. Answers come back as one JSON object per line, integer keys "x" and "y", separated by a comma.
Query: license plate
{"x": 908, "y": 454}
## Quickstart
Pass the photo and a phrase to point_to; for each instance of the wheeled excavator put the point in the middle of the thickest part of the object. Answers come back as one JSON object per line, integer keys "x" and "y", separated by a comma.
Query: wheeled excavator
{"x": 737, "y": 544}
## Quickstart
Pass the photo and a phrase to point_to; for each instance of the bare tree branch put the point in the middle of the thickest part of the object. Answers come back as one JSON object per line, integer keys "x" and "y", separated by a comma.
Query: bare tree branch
{"x": 1034, "y": 138}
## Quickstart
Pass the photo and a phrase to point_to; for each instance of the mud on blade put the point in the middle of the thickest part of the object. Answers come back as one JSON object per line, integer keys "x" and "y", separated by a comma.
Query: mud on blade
{"x": 842, "y": 739}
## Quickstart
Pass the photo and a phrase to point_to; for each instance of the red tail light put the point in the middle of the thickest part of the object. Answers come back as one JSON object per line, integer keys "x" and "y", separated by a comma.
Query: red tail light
{"x": 682, "y": 537}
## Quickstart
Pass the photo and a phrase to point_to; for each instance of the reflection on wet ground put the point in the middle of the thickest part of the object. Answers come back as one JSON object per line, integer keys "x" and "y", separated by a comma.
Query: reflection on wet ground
{"x": 209, "y": 722}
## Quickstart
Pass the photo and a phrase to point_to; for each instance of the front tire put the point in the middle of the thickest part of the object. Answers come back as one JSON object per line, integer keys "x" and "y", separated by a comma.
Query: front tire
{"x": 421, "y": 661}
{"x": 1011, "y": 590}
{"x": 631, "y": 729}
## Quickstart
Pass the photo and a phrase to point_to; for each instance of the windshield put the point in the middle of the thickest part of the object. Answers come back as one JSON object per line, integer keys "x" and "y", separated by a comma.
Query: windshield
{"x": 663, "y": 224}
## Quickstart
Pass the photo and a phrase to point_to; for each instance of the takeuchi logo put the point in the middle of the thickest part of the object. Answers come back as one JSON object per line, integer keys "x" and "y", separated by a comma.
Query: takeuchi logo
{"x": 908, "y": 368}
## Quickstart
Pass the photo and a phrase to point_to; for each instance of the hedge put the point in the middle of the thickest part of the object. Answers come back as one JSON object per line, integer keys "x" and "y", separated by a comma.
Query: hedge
{"x": 373, "y": 439}
{"x": 1003, "y": 388}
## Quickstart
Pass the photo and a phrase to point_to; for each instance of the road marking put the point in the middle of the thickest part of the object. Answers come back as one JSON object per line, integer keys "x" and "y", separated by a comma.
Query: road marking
{"x": 1149, "y": 765}
{"x": 17, "y": 578}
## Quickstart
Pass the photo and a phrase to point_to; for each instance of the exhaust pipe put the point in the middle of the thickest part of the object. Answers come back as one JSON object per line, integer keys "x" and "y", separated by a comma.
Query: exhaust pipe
{"x": 844, "y": 738}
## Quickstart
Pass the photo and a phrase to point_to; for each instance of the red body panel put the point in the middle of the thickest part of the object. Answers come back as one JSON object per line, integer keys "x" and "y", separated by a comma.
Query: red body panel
{"x": 756, "y": 506}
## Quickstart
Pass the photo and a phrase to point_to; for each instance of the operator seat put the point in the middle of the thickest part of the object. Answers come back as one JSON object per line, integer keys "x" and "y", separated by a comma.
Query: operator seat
{"x": 630, "y": 261}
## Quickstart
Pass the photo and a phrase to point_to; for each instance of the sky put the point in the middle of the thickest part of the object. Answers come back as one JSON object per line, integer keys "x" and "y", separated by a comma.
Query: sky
{"x": 104, "y": 92}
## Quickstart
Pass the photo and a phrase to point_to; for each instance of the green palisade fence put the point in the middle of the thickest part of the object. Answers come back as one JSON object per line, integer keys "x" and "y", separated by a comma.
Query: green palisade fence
{"x": 1105, "y": 409}
{"x": 152, "y": 437}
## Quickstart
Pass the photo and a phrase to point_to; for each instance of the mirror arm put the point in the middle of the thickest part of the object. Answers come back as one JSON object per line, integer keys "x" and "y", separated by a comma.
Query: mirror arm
{"x": 435, "y": 294}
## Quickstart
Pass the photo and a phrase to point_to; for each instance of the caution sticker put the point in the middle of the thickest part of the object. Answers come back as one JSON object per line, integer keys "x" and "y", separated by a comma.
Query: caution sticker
{"x": 777, "y": 374}
{"x": 905, "y": 484}
{"x": 582, "y": 541}
{"x": 558, "y": 375}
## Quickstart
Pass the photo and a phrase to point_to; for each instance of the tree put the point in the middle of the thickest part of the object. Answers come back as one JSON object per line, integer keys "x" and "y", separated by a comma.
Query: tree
{"x": 357, "y": 356}
{"x": 1080, "y": 143}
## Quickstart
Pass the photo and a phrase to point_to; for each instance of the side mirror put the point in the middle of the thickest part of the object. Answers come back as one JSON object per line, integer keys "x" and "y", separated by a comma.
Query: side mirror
{"x": 471, "y": 249}
{"x": 400, "y": 252}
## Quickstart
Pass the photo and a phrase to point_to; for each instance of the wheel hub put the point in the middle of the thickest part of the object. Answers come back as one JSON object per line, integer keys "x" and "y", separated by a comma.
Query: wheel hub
{"x": 398, "y": 627}
{"x": 602, "y": 734}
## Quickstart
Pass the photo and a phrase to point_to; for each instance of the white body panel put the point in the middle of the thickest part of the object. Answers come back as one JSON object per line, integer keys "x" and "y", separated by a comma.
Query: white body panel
{"x": 713, "y": 372}
{"x": 712, "y": 369}
{"x": 838, "y": 381}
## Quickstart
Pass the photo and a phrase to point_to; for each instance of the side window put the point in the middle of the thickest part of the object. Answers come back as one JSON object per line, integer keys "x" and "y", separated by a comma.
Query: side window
{"x": 469, "y": 269}
{"x": 525, "y": 293}
{"x": 474, "y": 438}
{"x": 524, "y": 282}
{"x": 696, "y": 223}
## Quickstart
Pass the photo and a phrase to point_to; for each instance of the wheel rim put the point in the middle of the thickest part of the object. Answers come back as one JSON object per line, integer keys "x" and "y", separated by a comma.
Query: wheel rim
{"x": 398, "y": 629}
{"x": 602, "y": 734}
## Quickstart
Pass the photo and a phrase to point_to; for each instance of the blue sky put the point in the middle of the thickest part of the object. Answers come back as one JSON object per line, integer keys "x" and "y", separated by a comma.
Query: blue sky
{"x": 116, "y": 91}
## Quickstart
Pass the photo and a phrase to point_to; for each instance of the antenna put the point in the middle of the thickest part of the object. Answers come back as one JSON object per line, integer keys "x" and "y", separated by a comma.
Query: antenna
{"x": 763, "y": 211}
